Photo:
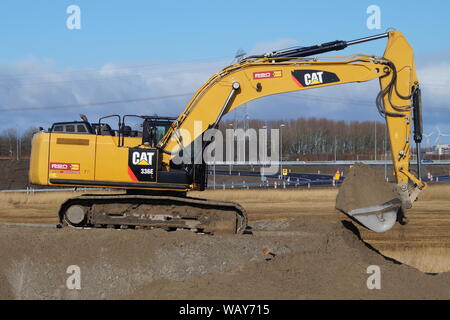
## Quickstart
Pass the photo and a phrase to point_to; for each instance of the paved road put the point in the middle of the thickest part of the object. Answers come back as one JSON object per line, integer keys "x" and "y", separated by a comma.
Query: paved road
{"x": 292, "y": 176}
{"x": 332, "y": 163}
{"x": 291, "y": 180}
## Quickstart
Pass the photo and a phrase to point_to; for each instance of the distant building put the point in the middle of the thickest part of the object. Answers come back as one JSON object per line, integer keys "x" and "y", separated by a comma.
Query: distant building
{"x": 440, "y": 149}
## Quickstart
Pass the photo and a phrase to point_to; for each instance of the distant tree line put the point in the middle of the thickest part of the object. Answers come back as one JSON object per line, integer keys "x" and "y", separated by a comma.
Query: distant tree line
{"x": 305, "y": 139}
{"x": 15, "y": 144}
{"x": 312, "y": 139}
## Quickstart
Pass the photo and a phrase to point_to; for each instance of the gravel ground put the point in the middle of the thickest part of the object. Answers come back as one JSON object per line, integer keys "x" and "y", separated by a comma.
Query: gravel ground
{"x": 305, "y": 258}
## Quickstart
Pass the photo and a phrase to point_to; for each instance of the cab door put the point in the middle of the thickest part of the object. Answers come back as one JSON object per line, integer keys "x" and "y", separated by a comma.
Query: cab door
{"x": 111, "y": 160}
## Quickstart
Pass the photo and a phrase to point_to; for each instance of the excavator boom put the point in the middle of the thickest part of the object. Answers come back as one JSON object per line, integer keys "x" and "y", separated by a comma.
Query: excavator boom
{"x": 294, "y": 70}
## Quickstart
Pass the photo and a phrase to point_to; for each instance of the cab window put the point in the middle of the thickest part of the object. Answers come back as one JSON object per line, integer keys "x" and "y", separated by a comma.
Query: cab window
{"x": 160, "y": 131}
{"x": 81, "y": 128}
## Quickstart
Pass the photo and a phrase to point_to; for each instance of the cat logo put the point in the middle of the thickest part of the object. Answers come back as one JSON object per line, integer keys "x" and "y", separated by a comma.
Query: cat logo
{"x": 308, "y": 78}
{"x": 142, "y": 158}
{"x": 143, "y": 164}
{"x": 313, "y": 78}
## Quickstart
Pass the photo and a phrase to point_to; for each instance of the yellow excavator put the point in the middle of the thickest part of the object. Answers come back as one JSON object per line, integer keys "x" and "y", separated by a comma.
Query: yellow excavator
{"x": 84, "y": 154}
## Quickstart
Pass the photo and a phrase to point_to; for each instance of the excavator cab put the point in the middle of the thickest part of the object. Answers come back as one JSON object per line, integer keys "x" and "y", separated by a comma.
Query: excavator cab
{"x": 154, "y": 129}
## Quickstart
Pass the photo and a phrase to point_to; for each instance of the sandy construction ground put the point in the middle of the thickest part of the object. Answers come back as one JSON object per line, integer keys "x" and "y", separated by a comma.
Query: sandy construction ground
{"x": 316, "y": 253}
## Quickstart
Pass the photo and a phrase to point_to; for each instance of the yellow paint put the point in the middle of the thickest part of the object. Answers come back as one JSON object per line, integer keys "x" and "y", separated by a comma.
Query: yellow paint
{"x": 111, "y": 161}
{"x": 38, "y": 172}
{"x": 143, "y": 163}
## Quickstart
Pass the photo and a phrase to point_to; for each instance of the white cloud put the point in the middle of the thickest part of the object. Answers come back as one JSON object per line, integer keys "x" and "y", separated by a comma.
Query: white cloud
{"x": 435, "y": 79}
{"x": 32, "y": 83}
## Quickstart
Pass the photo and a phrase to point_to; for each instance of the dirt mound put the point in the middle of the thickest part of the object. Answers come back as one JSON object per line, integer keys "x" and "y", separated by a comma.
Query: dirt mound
{"x": 115, "y": 263}
{"x": 310, "y": 260}
{"x": 364, "y": 187}
{"x": 332, "y": 266}
{"x": 5, "y": 289}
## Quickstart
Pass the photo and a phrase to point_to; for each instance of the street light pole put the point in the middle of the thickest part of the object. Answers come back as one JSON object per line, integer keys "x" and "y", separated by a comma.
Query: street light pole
{"x": 385, "y": 150}
{"x": 281, "y": 150}
{"x": 375, "y": 143}
{"x": 17, "y": 144}
{"x": 265, "y": 146}
{"x": 214, "y": 170}
{"x": 232, "y": 152}
{"x": 264, "y": 151}
{"x": 335, "y": 146}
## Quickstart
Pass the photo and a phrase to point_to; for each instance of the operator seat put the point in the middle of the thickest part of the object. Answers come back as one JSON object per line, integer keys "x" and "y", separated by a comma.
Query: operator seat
{"x": 106, "y": 130}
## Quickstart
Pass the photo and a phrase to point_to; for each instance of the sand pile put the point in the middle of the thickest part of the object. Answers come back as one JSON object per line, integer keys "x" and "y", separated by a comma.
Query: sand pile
{"x": 115, "y": 263}
{"x": 311, "y": 259}
{"x": 332, "y": 265}
{"x": 364, "y": 187}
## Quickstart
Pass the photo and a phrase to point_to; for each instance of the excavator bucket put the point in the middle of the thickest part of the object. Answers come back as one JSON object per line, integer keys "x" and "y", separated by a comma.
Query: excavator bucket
{"x": 367, "y": 198}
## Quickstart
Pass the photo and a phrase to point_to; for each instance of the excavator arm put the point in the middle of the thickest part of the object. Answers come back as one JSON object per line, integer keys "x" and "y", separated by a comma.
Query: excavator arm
{"x": 401, "y": 98}
{"x": 295, "y": 70}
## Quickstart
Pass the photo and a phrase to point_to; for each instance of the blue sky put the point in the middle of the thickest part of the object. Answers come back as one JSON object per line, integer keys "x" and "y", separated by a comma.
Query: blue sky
{"x": 133, "y": 49}
{"x": 127, "y": 31}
